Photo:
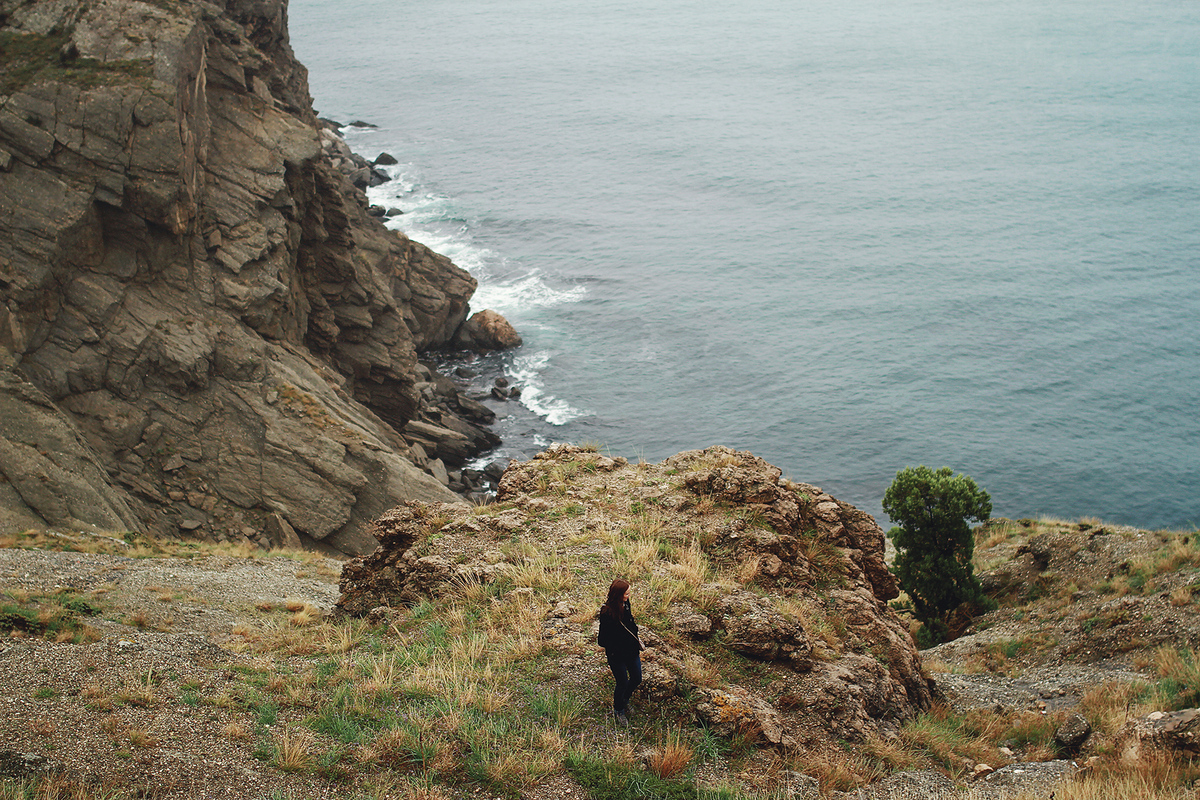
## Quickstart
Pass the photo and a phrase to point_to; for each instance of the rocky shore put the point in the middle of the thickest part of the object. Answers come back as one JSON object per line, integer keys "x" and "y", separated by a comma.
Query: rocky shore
{"x": 204, "y": 329}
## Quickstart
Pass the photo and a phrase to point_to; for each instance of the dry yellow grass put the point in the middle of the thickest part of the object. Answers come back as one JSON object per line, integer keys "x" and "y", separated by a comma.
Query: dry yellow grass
{"x": 1154, "y": 778}
{"x": 139, "y": 737}
{"x": 622, "y": 753}
{"x": 839, "y": 771}
{"x": 670, "y": 757}
{"x": 1181, "y": 596}
{"x": 293, "y": 749}
{"x": 236, "y": 731}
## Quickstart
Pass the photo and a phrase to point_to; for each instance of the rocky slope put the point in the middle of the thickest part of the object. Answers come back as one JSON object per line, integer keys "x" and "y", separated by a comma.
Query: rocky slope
{"x": 201, "y": 327}
{"x": 790, "y": 582}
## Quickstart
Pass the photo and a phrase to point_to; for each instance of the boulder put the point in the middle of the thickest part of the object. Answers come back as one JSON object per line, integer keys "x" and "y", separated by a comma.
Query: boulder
{"x": 835, "y": 661}
{"x": 486, "y": 330}
{"x": 1071, "y": 735}
{"x": 1176, "y": 732}
{"x": 736, "y": 710}
{"x": 691, "y": 624}
{"x": 751, "y": 627}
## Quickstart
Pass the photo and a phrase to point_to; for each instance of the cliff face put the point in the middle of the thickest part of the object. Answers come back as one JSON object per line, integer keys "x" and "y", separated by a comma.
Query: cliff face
{"x": 192, "y": 299}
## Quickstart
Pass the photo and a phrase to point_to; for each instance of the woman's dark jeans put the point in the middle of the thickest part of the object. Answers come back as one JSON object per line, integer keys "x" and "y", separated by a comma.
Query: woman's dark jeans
{"x": 627, "y": 671}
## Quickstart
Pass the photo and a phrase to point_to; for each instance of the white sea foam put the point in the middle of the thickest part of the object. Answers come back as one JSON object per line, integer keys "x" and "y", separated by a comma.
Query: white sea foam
{"x": 433, "y": 220}
{"x": 526, "y": 371}
{"x": 529, "y": 291}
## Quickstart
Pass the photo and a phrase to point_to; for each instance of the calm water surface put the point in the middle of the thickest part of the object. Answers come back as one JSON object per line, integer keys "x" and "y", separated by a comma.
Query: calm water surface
{"x": 849, "y": 237}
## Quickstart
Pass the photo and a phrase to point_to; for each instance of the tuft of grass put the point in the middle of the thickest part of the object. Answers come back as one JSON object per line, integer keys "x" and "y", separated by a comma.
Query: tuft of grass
{"x": 670, "y": 757}
{"x": 1178, "y": 685}
{"x": 562, "y": 708}
{"x": 1183, "y": 595}
{"x": 948, "y": 740}
{"x": 841, "y": 772}
{"x": 293, "y": 749}
{"x": 824, "y": 559}
{"x": 139, "y": 737}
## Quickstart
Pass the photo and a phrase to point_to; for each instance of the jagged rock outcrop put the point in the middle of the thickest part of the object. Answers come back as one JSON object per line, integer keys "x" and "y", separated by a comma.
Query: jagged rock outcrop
{"x": 766, "y": 601}
{"x": 192, "y": 284}
{"x": 1174, "y": 732}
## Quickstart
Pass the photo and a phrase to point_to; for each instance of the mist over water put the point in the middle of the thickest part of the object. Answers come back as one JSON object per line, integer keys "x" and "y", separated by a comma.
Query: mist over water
{"x": 849, "y": 237}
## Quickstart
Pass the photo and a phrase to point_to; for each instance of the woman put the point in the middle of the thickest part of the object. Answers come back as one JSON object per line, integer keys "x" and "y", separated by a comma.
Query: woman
{"x": 619, "y": 638}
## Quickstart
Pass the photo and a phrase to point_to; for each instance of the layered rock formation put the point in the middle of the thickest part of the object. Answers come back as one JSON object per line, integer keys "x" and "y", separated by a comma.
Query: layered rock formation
{"x": 763, "y": 601}
{"x": 203, "y": 328}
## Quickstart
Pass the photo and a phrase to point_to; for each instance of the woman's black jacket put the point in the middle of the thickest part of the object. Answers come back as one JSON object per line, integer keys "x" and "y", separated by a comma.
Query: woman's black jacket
{"x": 617, "y": 638}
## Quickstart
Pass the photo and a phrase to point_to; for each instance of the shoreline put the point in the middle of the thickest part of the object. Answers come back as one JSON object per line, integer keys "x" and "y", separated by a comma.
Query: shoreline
{"x": 456, "y": 382}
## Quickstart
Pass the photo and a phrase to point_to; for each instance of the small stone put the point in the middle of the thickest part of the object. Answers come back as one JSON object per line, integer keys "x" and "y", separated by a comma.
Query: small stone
{"x": 981, "y": 770}
{"x": 172, "y": 463}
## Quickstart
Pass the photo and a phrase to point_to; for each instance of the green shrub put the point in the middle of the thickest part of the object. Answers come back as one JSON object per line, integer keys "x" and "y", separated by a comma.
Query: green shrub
{"x": 934, "y": 543}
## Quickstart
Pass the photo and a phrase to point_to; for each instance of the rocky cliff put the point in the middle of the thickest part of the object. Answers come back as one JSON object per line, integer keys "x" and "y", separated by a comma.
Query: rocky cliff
{"x": 201, "y": 327}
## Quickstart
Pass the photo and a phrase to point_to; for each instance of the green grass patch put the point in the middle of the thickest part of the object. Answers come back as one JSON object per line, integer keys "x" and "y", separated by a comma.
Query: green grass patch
{"x": 606, "y": 780}
{"x": 1178, "y": 685}
{"x": 56, "y": 616}
{"x": 28, "y": 57}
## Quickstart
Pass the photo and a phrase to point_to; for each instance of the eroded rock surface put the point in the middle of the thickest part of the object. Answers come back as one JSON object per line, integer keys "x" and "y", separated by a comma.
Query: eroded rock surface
{"x": 193, "y": 286}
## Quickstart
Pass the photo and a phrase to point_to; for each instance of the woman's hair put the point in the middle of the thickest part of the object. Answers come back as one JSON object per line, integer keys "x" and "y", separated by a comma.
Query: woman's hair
{"x": 616, "y": 598}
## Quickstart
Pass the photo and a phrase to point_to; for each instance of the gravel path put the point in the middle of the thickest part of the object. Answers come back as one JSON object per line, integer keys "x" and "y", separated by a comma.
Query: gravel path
{"x": 126, "y": 705}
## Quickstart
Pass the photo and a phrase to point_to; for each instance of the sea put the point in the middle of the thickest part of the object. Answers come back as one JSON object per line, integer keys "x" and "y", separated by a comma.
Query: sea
{"x": 848, "y": 236}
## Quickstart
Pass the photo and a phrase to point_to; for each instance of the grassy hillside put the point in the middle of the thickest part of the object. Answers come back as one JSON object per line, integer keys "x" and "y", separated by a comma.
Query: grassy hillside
{"x": 171, "y": 669}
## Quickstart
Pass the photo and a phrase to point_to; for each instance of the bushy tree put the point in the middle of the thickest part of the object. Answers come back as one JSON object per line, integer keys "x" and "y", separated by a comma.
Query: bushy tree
{"x": 934, "y": 543}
